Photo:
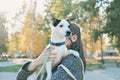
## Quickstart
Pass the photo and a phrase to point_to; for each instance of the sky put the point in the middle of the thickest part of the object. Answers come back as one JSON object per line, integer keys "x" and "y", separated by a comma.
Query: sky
{"x": 10, "y": 7}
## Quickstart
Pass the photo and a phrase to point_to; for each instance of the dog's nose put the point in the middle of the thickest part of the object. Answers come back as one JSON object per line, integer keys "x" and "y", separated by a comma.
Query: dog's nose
{"x": 68, "y": 33}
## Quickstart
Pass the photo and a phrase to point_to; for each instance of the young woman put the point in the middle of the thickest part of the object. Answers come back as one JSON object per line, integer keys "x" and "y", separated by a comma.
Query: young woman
{"x": 72, "y": 68}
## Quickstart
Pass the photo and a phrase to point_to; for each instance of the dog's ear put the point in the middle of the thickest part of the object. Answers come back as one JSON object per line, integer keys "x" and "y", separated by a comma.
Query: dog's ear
{"x": 55, "y": 21}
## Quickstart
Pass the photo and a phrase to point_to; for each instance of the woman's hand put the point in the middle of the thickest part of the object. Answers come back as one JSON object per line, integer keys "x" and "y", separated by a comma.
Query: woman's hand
{"x": 39, "y": 61}
{"x": 43, "y": 55}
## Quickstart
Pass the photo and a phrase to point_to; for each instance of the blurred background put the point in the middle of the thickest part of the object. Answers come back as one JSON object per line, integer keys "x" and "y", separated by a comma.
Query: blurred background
{"x": 25, "y": 32}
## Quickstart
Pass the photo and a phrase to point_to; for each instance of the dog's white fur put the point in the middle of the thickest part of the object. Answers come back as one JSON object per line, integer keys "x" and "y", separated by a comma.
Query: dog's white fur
{"x": 58, "y": 34}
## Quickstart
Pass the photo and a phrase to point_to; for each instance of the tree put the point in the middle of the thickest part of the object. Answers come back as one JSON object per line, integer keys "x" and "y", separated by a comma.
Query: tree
{"x": 90, "y": 22}
{"x": 112, "y": 27}
{"x": 59, "y": 8}
{"x": 33, "y": 35}
{"x": 14, "y": 39}
{"x": 13, "y": 45}
{"x": 85, "y": 14}
{"x": 3, "y": 33}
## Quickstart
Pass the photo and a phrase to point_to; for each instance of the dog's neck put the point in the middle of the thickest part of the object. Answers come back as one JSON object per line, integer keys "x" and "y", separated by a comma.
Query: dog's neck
{"x": 57, "y": 44}
{"x": 56, "y": 40}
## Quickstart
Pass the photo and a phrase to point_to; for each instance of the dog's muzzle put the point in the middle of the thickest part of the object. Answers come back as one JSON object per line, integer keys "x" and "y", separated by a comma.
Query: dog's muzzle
{"x": 68, "y": 33}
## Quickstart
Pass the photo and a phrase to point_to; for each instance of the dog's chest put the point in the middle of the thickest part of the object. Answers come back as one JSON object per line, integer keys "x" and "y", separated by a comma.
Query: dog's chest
{"x": 60, "y": 51}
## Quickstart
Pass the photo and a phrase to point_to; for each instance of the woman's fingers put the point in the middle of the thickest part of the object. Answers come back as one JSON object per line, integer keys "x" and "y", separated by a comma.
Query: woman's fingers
{"x": 45, "y": 52}
{"x": 48, "y": 49}
{"x": 43, "y": 55}
{"x": 40, "y": 59}
{"x": 52, "y": 57}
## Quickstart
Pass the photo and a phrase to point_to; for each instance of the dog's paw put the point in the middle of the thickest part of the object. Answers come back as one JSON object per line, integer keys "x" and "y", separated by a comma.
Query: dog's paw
{"x": 49, "y": 76}
{"x": 75, "y": 53}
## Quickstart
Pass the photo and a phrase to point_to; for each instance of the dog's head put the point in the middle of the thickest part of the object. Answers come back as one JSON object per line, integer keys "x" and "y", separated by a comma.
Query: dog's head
{"x": 61, "y": 28}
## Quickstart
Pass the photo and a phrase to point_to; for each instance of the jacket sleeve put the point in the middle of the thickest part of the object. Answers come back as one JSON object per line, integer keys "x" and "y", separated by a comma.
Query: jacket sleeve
{"x": 23, "y": 73}
{"x": 75, "y": 66}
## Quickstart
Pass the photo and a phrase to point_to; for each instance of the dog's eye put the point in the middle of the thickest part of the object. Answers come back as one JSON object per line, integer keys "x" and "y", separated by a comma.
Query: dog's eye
{"x": 61, "y": 25}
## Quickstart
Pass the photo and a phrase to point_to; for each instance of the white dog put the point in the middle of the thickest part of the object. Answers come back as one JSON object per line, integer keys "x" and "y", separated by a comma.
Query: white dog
{"x": 60, "y": 30}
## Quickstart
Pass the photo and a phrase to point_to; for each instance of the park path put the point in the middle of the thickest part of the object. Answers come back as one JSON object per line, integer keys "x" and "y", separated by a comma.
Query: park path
{"x": 8, "y": 75}
{"x": 14, "y": 62}
{"x": 110, "y": 73}
{"x": 105, "y": 74}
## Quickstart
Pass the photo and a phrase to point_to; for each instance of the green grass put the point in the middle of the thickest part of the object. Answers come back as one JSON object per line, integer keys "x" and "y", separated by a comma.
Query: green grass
{"x": 10, "y": 68}
{"x": 92, "y": 64}
{"x": 3, "y": 60}
{"x": 108, "y": 63}
{"x": 93, "y": 67}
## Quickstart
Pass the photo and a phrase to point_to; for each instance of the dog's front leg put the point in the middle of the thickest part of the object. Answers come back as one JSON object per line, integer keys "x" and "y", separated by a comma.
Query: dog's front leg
{"x": 49, "y": 70}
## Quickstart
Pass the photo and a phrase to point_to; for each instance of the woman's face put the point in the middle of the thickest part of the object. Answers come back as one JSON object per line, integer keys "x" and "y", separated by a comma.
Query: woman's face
{"x": 73, "y": 39}
{"x": 67, "y": 42}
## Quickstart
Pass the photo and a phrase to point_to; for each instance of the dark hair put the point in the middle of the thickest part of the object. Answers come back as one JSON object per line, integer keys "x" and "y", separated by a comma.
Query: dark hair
{"x": 77, "y": 45}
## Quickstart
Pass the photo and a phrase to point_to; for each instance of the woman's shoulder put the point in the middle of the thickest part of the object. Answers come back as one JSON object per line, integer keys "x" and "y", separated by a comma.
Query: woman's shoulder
{"x": 75, "y": 65}
{"x": 71, "y": 60}
{"x": 70, "y": 64}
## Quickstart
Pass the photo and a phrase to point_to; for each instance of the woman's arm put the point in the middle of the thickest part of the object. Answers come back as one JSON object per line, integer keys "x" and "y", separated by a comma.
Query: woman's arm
{"x": 23, "y": 73}
{"x": 29, "y": 67}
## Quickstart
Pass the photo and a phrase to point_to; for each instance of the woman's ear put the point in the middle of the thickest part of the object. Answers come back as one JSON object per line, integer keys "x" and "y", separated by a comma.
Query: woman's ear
{"x": 74, "y": 38}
